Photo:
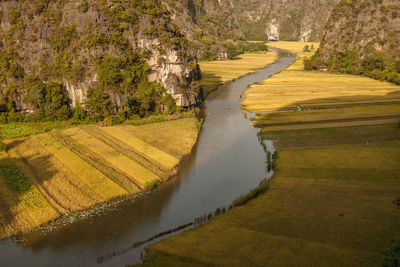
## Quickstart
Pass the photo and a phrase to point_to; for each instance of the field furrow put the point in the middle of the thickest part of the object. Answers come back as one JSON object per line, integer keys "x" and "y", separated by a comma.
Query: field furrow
{"x": 267, "y": 123}
{"x": 328, "y": 125}
{"x": 154, "y": 154}
{"x": 126, "y": 150}
{"x": 97, "y": 162}
{"x": 176, "y": 138}
{"x": 58, "y": 182}
{"x": 105, "y": 188}
{"x": 137, "y": 173}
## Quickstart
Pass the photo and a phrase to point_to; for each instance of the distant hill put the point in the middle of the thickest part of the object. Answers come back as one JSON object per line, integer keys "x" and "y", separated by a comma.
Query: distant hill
{"x": 212, "y": 26}
{"x": 362, "y": 37}
{"x": 286, "y": 20}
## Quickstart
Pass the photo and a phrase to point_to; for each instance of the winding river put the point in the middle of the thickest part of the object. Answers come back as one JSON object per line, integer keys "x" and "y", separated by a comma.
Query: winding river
{"x": 227, "y": 161}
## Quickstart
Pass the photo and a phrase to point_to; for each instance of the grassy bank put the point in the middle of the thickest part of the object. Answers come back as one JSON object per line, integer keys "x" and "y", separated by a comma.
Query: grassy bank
{"x": 334, "y": 199}
{"x": 216, "y": 73}
{"x": 46, "y": 175}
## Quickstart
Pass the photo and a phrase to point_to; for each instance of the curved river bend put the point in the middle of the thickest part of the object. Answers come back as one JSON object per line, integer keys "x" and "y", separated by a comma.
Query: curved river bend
{"x": 227, "y": 161}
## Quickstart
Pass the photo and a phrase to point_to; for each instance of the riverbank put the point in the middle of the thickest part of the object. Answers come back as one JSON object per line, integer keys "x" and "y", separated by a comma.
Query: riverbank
{"x": 53, "y": 174}
{"x": 334, "y": 198}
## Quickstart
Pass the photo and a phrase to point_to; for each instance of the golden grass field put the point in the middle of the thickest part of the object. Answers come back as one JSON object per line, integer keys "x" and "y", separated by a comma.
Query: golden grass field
{"x": 326, "y": 206}
{"x": 334, "y": 199}
{"x": 216, "y": 73}
{"x": 326, "y": 99}
{"x": 297, "y": 49}
{"x": 47, "y": 175}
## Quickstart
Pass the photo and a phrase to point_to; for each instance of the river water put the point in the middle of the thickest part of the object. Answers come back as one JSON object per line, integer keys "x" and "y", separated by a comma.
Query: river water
{"x": 228, "y": 160}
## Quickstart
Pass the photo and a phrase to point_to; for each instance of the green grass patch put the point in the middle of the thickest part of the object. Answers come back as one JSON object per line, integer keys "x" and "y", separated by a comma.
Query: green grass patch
{"x": 392, "y": 254}
{"x": 17, "y": 180}
{"x": 152, "y": 184}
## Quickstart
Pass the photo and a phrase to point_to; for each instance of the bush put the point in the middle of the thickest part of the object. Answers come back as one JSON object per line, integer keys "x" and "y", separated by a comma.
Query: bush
{"x": 98, "y": 104}
{"x": 83, "y": 6}
{"x": 392, "y": 254}
{"x": 3, "y": 146}
{"x": 262, "y": 188}
{"x": 232, "y": 50}
{"x": 255, "y": 47}
{"x": 15, "y": 15}
{"x": 109, "y": 72}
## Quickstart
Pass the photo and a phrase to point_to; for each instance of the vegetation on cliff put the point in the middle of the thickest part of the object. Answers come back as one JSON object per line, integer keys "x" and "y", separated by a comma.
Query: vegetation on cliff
{"x": 362, "y": 38}
{"x": 290, "y": 20}
{"x": 62, "y": 59}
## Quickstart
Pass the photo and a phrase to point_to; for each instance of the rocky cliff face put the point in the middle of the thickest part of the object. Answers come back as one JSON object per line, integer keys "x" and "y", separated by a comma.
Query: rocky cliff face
{"x": 362, "y": 38}
{"x": 363, "y": 28}
{"x": 89, "y": 44}
{"x": 207, "y": 23}
{"x": 297, "y": 20}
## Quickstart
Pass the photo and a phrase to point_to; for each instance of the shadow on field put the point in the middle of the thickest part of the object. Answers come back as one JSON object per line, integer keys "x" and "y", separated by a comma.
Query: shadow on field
{"x": 210, "y": 82}
{"x": 292, "y": 136}
{"x": 17, "y": 184}
{"x": 117, "y": 217}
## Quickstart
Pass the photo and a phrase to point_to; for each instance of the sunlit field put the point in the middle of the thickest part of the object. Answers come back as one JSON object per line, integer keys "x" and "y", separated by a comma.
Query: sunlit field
{"x": 47, "y": 175}
{"x": 216, "y": 73}
{"x": 298, "y": 49}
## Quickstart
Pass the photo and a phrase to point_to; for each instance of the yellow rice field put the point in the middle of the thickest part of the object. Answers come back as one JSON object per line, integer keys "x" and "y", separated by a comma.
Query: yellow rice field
{"x": 47, "y": 175}
{"x": 297, "y": 49}
{"x": 328, "y": 99}
{"x": 122, "y": 133}
{"x": 290, "y": 89}
{"x": 216, "y": 73}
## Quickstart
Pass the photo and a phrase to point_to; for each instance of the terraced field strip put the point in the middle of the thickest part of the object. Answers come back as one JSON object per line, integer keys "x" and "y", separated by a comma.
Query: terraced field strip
{"x": 65, "y": 191}
{"x": 24, "y": 209}
{"x": 266, "y": 98}
{"x": 105, "y": 188}
{"x": 146, "y": 150}
{"x": 138, "y": 174}
{"x": 315, "y": 125}
{"x": 332, "y": 136}
{"x": 308, "y": 89}
{"x": 97, "y": 162}
{"x": 126, "y": 150}
{"x": 216, "y": 73}
{"x": 280, "y": 118}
